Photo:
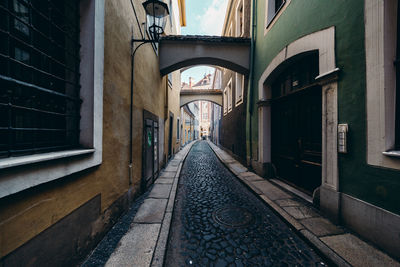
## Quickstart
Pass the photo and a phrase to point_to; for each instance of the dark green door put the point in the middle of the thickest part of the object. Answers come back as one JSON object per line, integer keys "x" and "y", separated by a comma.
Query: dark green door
{"x": 148, "y": 153}
{"x": 297, "y": 137}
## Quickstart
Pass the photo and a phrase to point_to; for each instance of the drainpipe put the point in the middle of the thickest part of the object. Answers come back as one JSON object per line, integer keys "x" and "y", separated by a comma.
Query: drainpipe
{"x": 251, "y": 75}
{"x": 133, "y": 52}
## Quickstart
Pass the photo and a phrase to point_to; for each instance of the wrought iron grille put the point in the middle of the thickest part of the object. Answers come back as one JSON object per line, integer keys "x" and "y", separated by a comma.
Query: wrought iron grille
{"x": 39, "y": 76}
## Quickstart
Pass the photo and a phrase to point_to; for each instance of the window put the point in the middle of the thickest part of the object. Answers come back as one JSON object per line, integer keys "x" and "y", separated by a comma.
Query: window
{"x": 273, "y": 8}
{"x": 177, "y": 130}
{"x": 239, "y": 19}
{"x": 297, "y": 76}
{"x": 225, "y": 100}
{"x": 205, "y": 116}
{"x": 239, "y": 88}
{"x": 230, "y": 34}
{"x": 39, "y": 76}
{"x": 278, "y": 5}
{"x": 397, "y": 64}
{"x": 230, "y": 95}
{"x": 171, "y": 14}
{"x": 43, "y": 60}
{"x": 170, "y": 79}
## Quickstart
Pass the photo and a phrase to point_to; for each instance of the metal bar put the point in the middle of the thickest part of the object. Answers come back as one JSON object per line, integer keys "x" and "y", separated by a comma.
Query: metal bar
{"x": 39, "y": 51}
{"x": 10, "y": 136}
{"x": 15, "y": 151}
{"x": 40, "y": 88}
{"x": 42, "y": 129}
{"x": 39, "y": 70}
{"x": 48, "y": 18}
{"x": 78, "y": 46}
{"x": 41, "y": 111}
{"x": 34, "y": 28}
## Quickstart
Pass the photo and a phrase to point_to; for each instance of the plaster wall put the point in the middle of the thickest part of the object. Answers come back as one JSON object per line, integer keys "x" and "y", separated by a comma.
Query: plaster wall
{"x": 378, "y": 186}
{"x": 173, "y": 87}
{"x": 26, "y": 214}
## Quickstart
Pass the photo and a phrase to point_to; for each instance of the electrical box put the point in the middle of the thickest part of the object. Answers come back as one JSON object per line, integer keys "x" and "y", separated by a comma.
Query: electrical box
{"x": 343, "y": 129}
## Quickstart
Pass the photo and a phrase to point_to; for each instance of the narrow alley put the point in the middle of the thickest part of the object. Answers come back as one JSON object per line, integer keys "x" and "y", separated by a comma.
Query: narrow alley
{"x": 171, "y": 133}
{"x": 217, "y": 221}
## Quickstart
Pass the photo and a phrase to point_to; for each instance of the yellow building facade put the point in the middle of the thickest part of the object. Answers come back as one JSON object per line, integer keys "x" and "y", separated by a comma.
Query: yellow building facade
{"x": 55, "y": 207}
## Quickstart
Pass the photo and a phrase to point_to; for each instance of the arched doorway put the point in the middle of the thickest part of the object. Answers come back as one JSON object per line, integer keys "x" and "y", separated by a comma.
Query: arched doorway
{"x": 296, "y": 123}
{"x": 323, "y": 43}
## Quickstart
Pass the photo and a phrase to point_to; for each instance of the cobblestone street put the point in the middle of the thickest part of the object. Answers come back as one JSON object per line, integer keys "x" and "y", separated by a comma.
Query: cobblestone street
{"x": 217, "y": 221}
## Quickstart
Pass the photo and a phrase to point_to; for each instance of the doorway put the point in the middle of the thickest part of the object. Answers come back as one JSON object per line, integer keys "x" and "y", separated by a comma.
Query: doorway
{"x": 150, "y": 149}
{"x": 171, "y": 125}
{"x": 297, "y": 126}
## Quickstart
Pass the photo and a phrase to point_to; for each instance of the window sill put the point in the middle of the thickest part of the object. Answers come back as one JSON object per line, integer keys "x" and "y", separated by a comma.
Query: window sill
{"x": 393, "y": 153}
{"x": 24, "y": 160}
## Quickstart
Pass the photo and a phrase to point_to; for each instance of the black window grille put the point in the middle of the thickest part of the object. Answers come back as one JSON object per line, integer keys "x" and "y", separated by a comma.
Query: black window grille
{"x": 397, "y": 66}
{"x": 39, "y": 76}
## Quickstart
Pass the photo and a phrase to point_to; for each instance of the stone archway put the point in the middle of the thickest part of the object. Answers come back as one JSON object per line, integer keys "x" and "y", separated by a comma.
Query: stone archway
{"x": 176, "y": 52}
{"x": 188, "y": 96}
{"x": 324, "y": 43}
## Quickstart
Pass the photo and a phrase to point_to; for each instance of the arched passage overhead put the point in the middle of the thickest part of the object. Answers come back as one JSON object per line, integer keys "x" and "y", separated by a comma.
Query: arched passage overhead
{"x": 188, "y": 96}
{"x": 207, "y": 65}
{"x": 177, "y": 52}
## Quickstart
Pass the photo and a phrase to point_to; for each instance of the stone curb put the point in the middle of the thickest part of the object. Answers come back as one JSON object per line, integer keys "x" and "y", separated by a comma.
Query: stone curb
{"x": 146, "y": 242}
{"x": 298, "y": 215}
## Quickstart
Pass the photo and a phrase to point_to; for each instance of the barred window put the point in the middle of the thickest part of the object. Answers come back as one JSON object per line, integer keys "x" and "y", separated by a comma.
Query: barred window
{"x": 39, "y": 76}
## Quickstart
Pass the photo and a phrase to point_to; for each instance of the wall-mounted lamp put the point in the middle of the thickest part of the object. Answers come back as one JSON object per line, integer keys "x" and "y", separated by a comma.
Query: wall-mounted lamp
{"x": 156, "y": 12}
{"x": 156, "y": 18}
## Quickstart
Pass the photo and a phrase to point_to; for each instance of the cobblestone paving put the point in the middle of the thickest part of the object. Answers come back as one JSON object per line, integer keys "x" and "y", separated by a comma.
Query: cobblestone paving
{"x": 217, "y": 221}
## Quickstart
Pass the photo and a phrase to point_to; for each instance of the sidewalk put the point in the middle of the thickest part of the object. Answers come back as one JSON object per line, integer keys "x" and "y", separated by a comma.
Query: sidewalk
{"x": 145, "y": 242}
{"x": 336, "y": 243}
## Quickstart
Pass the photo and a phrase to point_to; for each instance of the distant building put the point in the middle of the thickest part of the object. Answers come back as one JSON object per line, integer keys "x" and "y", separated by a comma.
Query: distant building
{"x": 234, "y": 85}
{"x": 187, "y": 125}
{"x": 204, "y": 107}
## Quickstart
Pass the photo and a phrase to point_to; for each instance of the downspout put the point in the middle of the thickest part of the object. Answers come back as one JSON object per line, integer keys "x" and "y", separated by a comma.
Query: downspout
{"x": 133, "y": 51}
{"x": 131, "y": 117}
{"x": 251, "y": 75}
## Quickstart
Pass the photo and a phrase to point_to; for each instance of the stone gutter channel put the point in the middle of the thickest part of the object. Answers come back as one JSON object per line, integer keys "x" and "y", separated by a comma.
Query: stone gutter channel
{"x": 336, "y": 243}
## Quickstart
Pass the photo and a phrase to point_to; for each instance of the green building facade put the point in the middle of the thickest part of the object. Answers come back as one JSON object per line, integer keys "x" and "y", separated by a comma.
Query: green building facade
{"x": 341, "y": 123}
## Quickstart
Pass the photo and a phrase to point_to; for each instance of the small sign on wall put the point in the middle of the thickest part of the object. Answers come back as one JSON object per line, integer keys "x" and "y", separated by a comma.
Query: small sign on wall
{"x": 342, "y": 137}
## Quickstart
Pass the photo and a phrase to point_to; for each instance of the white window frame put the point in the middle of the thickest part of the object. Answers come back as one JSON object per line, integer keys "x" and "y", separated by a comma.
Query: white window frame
{"x": 380, "y": 51}
{"x": 225, "y": 101}
{"x": 239, "y": 30}
{"x": 229, "y": 95}
{"x": 37, "y": 169}
{"x": 239, "y": 86}
{"x": 270, "y": 16}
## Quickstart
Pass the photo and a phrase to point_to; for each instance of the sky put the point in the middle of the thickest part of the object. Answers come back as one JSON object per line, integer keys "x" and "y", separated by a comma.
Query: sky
{"x": 203, "y": 17}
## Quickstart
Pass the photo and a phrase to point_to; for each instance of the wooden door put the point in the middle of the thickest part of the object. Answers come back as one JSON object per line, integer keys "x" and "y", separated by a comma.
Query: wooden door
{"x": 297, "y": 138}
